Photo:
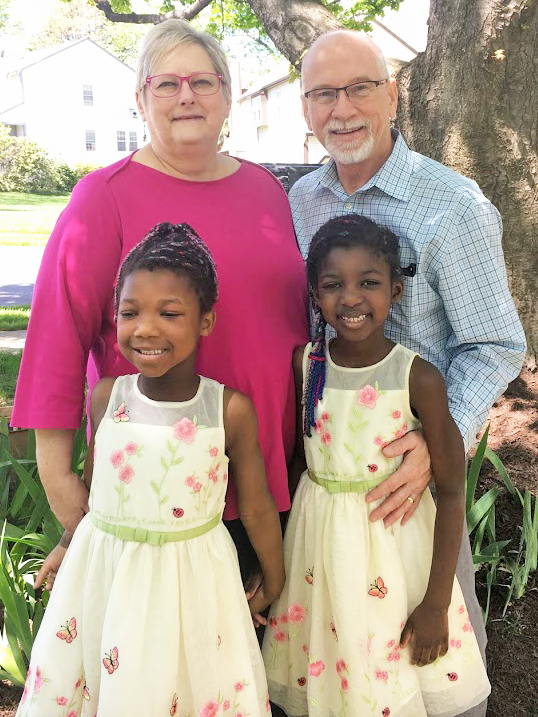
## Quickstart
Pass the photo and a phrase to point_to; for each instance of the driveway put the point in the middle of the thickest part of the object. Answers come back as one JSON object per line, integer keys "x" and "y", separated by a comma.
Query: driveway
{"x": 18, "y": 271}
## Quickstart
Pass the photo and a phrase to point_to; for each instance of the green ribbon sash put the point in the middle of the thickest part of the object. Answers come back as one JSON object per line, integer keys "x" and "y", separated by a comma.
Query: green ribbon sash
{"x": 154, "y": 537}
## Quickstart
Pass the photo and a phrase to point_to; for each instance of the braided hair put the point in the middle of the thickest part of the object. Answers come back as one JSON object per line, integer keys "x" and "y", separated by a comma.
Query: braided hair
{"x": 176, "y": 247}
{"x": 346, "y": 232}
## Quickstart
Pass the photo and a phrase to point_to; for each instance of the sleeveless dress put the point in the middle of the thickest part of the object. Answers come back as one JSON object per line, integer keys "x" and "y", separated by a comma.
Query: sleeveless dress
{"x": 148, "y": 616}
{"x": 332, "y": 644}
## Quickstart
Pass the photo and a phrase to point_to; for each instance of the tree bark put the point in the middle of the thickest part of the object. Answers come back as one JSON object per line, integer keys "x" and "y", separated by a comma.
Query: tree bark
{"x": 470, "y": 101}
{"x": 293, "y": 25}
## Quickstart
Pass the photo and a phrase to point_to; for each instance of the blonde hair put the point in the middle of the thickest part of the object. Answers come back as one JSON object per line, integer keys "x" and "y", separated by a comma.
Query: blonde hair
{"x": 166, "y": 37}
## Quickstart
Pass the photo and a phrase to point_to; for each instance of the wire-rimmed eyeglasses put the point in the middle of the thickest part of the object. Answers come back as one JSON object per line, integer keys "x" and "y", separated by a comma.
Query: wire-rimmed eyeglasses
{"x": 356, "y": 92}
{"x": 201, "y": 83}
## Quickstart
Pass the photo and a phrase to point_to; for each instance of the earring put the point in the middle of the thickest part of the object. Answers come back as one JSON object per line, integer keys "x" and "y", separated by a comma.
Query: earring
{"x": 392, "y": 122}
{"x": 144, "y": 136}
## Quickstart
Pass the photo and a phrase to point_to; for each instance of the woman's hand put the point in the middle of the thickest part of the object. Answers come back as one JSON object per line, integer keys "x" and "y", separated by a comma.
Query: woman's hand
{"x": 426, "y": 634}
{"x": 50, "y": 568}
{"x": 409, "y": 481}
{"x": 68, "y": 499}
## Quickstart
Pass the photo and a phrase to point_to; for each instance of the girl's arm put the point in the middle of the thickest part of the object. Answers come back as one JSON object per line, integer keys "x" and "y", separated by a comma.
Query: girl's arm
{"x": 98, "y": 404}
{"x": 298, "y": 463}
{"x": 427, "y": 628}
{"x": 257, "y": 509}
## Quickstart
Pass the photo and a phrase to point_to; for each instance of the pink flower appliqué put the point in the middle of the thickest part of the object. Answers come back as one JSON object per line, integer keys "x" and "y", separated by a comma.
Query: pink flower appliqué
{"x": 316, "y": 668}
{"x": 344, "y": 684}
{"x": 340, "y": 667}
{"x": 367, "y": 396}
{"x": 126, "y": 474}
{"x": 467, "y": 627}
{"x": 116, "y": 458}
{"x": 197, "y": 487}
{"x": 318, "y": 426}
{"x": 401, "y": 431}
{"x": 455, "y": 643}
{"x": 131, "y": 448}
{"x": 226, "y": 705}
{"x": 210, "y": 709}
{"x": 378, "y": 441}
{"x": 396, "y": 414}
{"x": 381, "y": 675}
{"x": 461, "y": 609}
{"x": 72, "y": 713}
{"x": 280, "y": 636}
{"x": 62, "y": 701}
{"x": 214, "y": 451}
{"x": 225, "y": 478}
{"x": 326, "y": 438}
{"x": 38, "y": 684}
{"x": 296, "y": 613}
{"x": 185, "y": 430}
{"x": 212, "y": 475}
{"x": 325, "y": 416}
{"x": 190, "y": 481}
{"x": 239, "y": 686}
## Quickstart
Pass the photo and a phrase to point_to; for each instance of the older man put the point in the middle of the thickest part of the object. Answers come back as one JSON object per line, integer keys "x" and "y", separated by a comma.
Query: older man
{"x": 456, "y": 309}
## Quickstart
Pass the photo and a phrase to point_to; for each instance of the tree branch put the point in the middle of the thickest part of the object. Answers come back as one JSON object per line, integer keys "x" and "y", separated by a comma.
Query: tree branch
{"x": 151, "y": 18}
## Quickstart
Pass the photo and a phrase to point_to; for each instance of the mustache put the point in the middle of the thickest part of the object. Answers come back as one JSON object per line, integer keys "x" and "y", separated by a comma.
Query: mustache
{"x": 338, "y": 125}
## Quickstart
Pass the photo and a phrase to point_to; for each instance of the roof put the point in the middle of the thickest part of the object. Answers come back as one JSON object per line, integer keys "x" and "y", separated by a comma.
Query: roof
{"x": 37, "y": 56}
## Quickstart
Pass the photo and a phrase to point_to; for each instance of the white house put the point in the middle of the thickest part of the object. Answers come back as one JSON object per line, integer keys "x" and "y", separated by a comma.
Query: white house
{"x": 77, "y": 100}
{"x": 267, "y": 124}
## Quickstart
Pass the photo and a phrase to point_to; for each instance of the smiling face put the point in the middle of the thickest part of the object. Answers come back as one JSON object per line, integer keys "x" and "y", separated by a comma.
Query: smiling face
{"x": 351, "y": 132}
{"x": 185, "y": 119}
{"x": 354, "y": 292}
{"x": 160, "y": 322}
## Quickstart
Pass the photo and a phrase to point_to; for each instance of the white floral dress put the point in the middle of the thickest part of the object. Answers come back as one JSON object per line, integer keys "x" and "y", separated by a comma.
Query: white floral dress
{"x": 332, "y": 645}
{"x": 148, "y": 615}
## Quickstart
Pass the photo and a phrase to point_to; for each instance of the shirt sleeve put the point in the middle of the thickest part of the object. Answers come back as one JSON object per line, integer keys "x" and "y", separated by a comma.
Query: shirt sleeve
{"x": 73, "y": 292}
{"x": 487, "y": 344}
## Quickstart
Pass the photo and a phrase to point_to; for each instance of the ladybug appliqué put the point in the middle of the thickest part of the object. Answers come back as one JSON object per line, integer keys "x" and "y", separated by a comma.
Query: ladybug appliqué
{"x": 452, "y": 676}
{"x": 301, "y": 681}
{"x": 372, "y": 467}
{"x": 386, "y": 712}
{"x": 178, "y": 512}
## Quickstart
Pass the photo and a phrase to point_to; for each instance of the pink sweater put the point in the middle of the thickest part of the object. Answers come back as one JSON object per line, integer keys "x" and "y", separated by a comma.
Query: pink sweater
{"x": 261, "y": 313}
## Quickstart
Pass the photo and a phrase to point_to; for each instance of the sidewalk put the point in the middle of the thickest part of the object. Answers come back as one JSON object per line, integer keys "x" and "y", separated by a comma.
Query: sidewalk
{"x": 12, "y": 340}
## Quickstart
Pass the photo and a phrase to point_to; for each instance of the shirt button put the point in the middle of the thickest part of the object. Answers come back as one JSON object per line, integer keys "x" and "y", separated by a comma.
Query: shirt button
{"x": 348, "y": 206}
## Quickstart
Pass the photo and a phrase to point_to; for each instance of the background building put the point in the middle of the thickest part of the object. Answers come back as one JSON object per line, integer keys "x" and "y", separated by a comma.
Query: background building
{"x": 76, "y": 100}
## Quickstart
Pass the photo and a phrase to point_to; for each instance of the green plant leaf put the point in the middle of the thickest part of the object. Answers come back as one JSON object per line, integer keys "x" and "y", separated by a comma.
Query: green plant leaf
{"x": 481, "y": 508}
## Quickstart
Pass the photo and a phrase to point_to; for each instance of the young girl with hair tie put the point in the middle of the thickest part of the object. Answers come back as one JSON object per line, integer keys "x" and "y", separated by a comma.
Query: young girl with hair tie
{"x": 371, "y": 621}
{"x": 148, "y": 615}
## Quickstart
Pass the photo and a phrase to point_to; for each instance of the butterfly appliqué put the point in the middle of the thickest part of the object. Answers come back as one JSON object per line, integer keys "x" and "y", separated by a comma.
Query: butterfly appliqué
{"x": 173, "y": 709}
{"x": 86, "y": 693}
{"x": 378, "y": 589}
{"x": 111, "y": 662}
{"x": 121, "y": 414}
{"x": 69, "y": 631}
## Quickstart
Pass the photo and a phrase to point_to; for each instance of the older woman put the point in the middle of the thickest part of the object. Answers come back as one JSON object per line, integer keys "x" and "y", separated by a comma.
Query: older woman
{"x": 240, "y": 210}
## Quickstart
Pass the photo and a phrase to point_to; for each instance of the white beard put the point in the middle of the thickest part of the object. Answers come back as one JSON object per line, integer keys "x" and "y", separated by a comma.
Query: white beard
{"x": 353, "y": 153}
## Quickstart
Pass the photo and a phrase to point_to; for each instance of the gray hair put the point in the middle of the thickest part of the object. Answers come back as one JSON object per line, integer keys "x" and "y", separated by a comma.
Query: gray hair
{"x": 166, "y": 37}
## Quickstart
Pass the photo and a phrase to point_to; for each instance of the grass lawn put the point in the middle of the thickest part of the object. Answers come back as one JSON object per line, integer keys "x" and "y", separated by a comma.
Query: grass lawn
{"x": 9, "y": 370}
{"x": 28, "y": 219}
{"x": 14, "y": 318}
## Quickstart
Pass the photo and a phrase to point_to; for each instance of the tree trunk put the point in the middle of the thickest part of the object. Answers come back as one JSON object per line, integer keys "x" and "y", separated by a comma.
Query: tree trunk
{"x": 470, "y": 101}
{"x": 293, "y": 25}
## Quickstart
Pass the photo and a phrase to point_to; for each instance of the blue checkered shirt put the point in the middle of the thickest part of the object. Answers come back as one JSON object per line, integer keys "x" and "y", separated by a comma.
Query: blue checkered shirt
{"x": 456, "y": 312}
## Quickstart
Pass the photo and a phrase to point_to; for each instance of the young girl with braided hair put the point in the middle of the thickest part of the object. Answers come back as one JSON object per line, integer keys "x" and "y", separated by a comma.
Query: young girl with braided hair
{"x": 148, "y": 615}
{"x": 371, "y": 620}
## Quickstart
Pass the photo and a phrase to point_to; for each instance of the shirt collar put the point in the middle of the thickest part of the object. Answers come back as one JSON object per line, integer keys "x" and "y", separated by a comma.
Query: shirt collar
{"x": 393, "y": 178}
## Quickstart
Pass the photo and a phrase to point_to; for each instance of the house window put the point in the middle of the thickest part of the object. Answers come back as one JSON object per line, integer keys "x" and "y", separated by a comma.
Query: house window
{"x": 87, "y": 93}
{"x": 121, "y": 141}
{"x": 90, "y": 140}
{"x": 133, "y": 142}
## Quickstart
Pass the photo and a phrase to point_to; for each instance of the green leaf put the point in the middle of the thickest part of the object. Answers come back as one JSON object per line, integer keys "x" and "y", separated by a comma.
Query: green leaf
{"x": 348, "y": 448}
{"x": 155, "y": 487}
{"x": 177, "y": 461}
{"x": 164, "y": 464}
{"x": 163, "y": 500}
{"x": 474, "y": 470}
{"x": 481, "y": 508}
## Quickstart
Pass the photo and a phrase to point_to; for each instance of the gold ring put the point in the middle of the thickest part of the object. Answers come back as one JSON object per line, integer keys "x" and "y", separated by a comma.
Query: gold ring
{"x": 410, "y": 499}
